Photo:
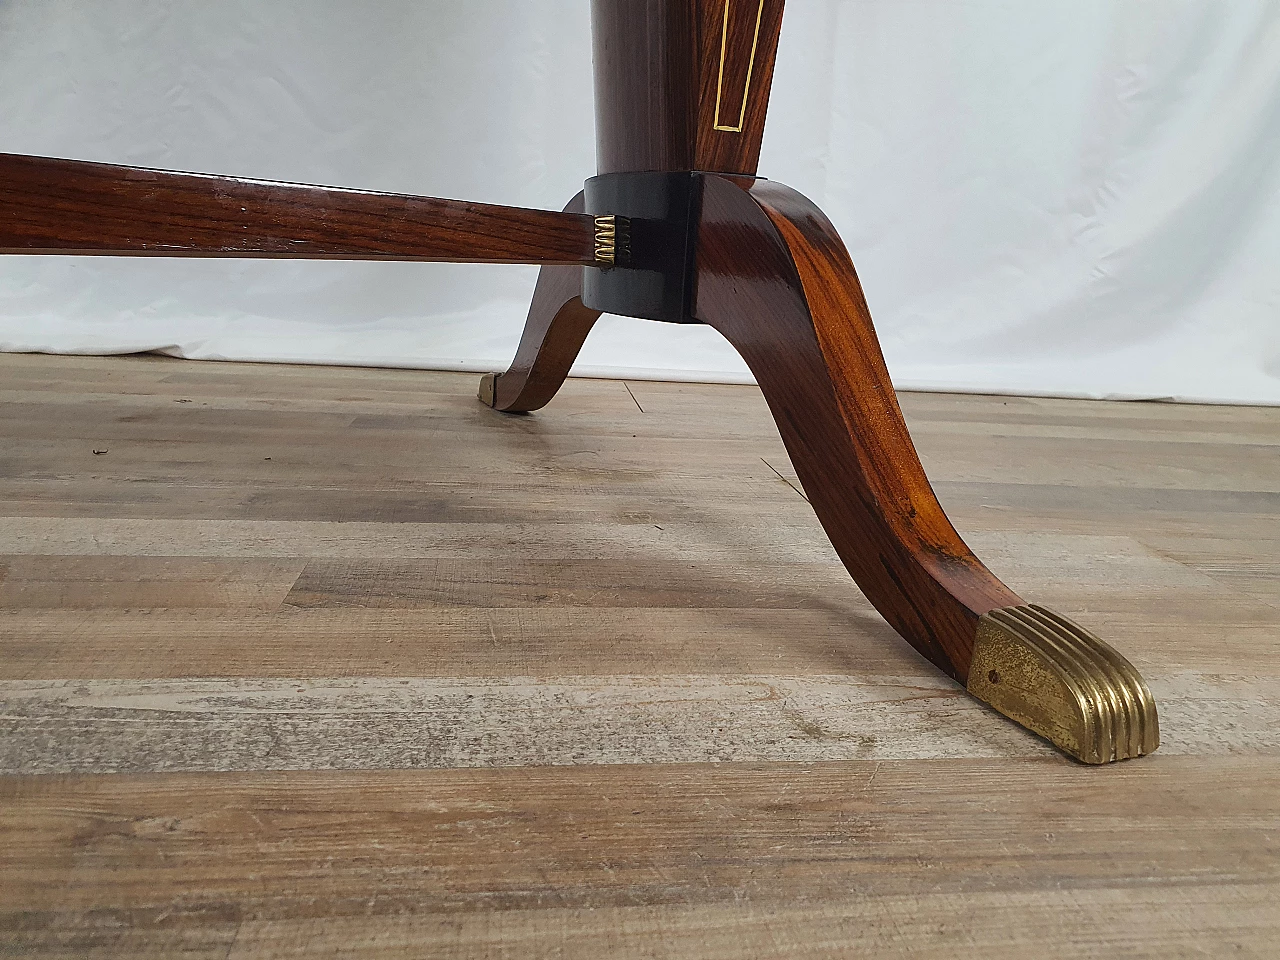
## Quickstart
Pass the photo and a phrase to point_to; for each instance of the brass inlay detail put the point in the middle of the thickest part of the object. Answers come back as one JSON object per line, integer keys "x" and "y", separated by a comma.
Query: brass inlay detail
{"x": 751, "y": 65}
{"x": 613, "y": 241}
{"x": 1062, "y": 682}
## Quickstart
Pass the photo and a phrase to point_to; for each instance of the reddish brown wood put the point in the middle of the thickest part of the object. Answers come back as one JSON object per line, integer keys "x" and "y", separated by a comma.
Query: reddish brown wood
{"x": 644, "y": 82}
{"x": 738, "y": 43}
{"x": 774, "y": 278}
{"x": 71, "y": 207}
{"x": 557, "y": 327}
{"x": 659, "y": 82}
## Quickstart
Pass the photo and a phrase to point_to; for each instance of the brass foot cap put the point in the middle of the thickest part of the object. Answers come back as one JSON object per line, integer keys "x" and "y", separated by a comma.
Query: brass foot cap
{"x": 488, "y": 389}
{"x": 1060, "y": 681}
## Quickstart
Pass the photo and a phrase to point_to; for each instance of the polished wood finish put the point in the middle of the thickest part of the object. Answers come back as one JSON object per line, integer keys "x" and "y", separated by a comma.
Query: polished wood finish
{"x": 644, "y": 82}
{"x": 71, "y": 207}
{"x": 553, "y": 336}
{"x": 429, "y": 682}
{"x": 774, "y": 278}
{"x": 670, "y": 72}
{"x": 554, "y": 333}
{"x": 737, "y": 46}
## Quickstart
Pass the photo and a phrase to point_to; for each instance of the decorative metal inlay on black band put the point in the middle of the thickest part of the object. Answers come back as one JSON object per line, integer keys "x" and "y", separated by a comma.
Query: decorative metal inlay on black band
{"x": 613, "y": 241}
{"x": 644, "y": 244}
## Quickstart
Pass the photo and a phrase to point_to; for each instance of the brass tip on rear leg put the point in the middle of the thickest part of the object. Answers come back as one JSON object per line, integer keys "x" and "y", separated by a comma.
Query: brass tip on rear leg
{"x": 488, "y": 389}
{"x": 1060, "y": 681}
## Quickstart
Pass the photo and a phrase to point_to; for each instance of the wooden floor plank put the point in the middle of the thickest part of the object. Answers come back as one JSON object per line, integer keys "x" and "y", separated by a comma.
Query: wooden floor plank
{"x": 914, "y": 840}
{"x": 131, "y": 726}
{"x": 1177, "y": 924}
{"x": 338, "y": 662}
{"x": 113, "y": 582}
{"x": 842, "y": 637}
{"x": 451, "y": 641}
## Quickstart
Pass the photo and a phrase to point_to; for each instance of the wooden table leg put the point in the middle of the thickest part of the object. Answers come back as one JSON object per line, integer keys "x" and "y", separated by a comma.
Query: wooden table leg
{"x": 554, "y": 333}
{"x": 775, "y": 279}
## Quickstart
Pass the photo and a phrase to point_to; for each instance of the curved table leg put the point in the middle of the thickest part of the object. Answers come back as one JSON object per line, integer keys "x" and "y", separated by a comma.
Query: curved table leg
{"x": 557, "y": 327}
{"x": 774, "y": 278}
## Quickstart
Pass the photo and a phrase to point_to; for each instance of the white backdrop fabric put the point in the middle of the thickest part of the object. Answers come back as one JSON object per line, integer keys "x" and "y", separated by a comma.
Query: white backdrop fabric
{"x": 1065, "y": 197}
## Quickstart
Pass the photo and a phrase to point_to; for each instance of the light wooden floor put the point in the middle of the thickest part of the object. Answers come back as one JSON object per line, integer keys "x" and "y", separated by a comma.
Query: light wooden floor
{"x": 324, "y": 662}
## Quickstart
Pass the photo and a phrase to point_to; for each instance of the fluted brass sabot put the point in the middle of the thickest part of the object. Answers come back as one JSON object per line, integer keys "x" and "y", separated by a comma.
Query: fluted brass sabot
{"x": 1059, "y": 680}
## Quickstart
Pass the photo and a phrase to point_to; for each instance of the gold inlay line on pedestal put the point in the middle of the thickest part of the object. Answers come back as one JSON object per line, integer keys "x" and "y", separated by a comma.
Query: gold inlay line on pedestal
{"x": 751, "y": 65}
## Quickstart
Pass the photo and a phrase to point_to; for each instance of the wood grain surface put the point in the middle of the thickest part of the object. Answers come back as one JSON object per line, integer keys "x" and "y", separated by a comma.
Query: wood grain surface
{"x": 683, "y": 85}
{"x": 334, "y": 662}
{"x": 52, "y": 206}
{"x": 738, "y": 44}
{"x": 554, "y": 332}
{"x": 643, "y": 62}
{"x": 774, "y": 277}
